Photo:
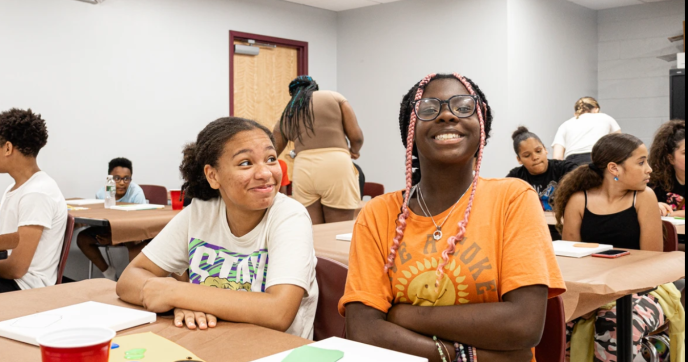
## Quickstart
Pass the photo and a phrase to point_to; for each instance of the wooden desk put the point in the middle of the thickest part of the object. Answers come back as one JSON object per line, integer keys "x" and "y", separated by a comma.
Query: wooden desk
{"x": 226, "y": 342}
{"x": 326, "y": 243}
{"x": 126, "y": 226}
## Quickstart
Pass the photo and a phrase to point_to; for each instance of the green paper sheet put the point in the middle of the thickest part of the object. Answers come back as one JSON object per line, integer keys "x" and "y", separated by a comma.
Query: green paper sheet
{"x": 312, "y": 354}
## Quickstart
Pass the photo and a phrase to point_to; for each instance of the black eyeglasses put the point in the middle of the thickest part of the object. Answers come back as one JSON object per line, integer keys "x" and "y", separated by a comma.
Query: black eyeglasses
{"x": 125, "y": 179}
{"x": 463, "y": 106}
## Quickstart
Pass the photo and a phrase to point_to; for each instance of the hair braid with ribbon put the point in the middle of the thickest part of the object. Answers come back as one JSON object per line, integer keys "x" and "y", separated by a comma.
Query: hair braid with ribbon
{"x": 485, "y": 118}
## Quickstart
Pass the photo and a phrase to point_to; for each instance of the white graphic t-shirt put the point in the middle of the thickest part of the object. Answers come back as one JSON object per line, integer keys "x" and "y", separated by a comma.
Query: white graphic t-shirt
{"x": 278, "y": 251}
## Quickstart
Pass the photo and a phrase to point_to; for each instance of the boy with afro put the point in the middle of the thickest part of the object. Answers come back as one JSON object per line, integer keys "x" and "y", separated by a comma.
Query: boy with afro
{"x": 33, "y": 212}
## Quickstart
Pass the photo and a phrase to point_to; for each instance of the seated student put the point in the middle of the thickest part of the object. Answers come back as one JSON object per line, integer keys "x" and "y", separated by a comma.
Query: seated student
{"x": 127, "y": 192}
{"x": 541, "y": 173}
{"x": 418, "y": 268}
{"x": 33, "y": 212}
{"x": 609, "y": 201}
{"x": 668, "y": 159}
{"x": 237, "y": 224}
{"x": 537, "y": 170}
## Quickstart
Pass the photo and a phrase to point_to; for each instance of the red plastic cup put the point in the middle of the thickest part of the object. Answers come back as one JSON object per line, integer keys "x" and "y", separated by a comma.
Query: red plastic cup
{"x": 88, "y": 344}
{"x": 177, "y": 197}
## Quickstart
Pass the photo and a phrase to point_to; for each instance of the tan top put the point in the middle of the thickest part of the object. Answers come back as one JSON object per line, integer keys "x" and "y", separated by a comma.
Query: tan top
{"x": 328, "y": 123}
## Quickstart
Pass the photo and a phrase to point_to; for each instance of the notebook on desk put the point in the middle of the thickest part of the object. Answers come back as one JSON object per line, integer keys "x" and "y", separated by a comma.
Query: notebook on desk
{"x": 574, "y": 249}
{"x": 85, "y": 202}
{"x": 137, "y": 207}
{"x": 27, "y": 329}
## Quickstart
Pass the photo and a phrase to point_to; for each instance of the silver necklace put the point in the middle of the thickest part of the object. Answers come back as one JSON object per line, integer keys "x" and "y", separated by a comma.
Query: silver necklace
{"x": 437, "y": 235}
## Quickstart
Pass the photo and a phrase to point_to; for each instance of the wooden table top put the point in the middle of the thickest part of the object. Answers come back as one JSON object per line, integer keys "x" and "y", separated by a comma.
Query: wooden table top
{"x": 128, "y": 226}
{"x": 226, "y": 342}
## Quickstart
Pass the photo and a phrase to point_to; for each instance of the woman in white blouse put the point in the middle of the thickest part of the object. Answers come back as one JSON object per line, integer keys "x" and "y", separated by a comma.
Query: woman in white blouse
{"x": 577, "y": 136}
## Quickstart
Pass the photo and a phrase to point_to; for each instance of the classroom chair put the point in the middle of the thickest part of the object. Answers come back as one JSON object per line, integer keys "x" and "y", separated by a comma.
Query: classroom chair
{"x": 69, "y": 233}
{"x": 156, "y": 195}
{"x": 373, "y": 190}
{"x": 331, "y": 277}
{"x": 552, "y": 348}
{"x": 670, "y": 237}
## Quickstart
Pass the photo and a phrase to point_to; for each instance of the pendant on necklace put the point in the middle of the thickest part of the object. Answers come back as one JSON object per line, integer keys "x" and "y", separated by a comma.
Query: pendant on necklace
{"x": 438, "y": 234}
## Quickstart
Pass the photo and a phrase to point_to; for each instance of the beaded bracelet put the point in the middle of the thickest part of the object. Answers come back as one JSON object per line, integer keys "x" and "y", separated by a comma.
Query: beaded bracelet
{"x": 475, "y": 354}
{"x": 439, "y": 349}
{"x": 470, "y": 354}
{"x": 457, "y": 350}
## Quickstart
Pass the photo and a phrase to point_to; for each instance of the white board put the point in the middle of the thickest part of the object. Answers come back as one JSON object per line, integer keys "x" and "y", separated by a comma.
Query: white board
{"x": 90, "y": 314}
{"x": 353, "y": 352}
{"x": 569, "y": 249}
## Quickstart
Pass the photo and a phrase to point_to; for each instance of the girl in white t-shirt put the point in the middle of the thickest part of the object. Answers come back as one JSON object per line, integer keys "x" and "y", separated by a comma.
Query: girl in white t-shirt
{"x": 576, "y": 137}
{"x": 241, "y": 251}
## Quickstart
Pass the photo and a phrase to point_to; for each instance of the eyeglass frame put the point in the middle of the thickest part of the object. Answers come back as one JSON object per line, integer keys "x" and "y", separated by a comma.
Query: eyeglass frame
{"x": 114, "y": 178}
{"x": 414, "y": 104}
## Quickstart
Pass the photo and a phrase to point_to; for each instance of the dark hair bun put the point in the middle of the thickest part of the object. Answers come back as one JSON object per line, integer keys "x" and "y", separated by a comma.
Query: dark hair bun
{"x": 521, "y": 130}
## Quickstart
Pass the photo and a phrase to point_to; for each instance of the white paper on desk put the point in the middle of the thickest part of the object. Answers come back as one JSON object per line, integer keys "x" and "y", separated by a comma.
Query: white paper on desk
{"x": 569, "y": 249}
{"x": 674, "y": 220}
{"x": 345, "y": 237}
{"x": 353, "y": 352}
{"x": 90, "y": 314}
{"x": 138, "y": 207}
{"x": 85, "y": 202}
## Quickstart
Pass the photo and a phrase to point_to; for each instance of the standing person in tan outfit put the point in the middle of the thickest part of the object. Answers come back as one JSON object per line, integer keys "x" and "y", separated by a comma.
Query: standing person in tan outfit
{"x": 326, "y": 135}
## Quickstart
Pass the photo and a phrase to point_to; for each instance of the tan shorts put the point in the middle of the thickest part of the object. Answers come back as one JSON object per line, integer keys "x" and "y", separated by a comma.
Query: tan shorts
{"x": 328, "y": 175}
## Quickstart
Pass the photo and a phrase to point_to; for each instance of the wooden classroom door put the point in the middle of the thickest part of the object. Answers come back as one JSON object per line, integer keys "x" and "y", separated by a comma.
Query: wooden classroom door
{"x": 261, "y": 85}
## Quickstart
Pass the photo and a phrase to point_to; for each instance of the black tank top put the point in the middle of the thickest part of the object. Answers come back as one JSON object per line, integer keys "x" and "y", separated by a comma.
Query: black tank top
{"x": 621, "y": 230}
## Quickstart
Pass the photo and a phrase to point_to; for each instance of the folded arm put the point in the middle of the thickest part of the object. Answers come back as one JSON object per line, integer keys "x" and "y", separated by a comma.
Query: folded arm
{"x": 370, "y": 326}
{"x": 144, "y": 283}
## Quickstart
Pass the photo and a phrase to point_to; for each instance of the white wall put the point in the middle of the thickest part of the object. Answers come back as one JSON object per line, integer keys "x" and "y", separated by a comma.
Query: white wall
{"x": 384, "y": 50}
{"x": 136, "y": 78}
{"x": 634, "y": 83}
{"x": 552, "y": 63}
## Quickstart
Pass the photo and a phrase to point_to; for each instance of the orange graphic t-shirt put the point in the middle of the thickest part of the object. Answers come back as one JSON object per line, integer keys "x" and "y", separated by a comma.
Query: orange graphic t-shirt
{"x": 507, "y": 246}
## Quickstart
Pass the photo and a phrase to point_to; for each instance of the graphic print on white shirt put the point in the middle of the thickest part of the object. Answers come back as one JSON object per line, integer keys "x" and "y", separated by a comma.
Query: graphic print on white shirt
{"x": 214, "y": 266}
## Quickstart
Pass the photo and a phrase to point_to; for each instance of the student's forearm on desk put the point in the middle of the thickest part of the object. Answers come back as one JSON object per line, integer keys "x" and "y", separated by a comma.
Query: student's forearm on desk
{"x": 9, "y": 241}
{"x": 131, "y": 283}
{"x": 276, "y": 309}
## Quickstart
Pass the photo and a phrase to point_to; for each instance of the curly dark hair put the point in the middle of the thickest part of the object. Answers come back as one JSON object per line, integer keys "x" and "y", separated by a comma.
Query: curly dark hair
{"x": 207, "y": 150}
{"x": 666, "y": 142}
{"x": 120, "y": 162}
{"x": 616, "y": 148}
{"x": 25, "y": 130}
{"x": 407, "y": 108}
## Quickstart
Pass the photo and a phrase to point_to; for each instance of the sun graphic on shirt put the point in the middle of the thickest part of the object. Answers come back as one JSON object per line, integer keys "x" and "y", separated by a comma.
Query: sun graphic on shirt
{"x": 418, "y": 285}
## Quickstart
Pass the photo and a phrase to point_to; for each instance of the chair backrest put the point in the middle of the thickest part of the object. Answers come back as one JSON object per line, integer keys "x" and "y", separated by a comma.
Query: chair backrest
{"x": 552, "y": 348}
{"x": 670, "y": 237}
{"x": 331, "y": 276}
{"x": 373, "y": 190}
{"x": 69, "y": 233}
{"x": 156, "y": 195}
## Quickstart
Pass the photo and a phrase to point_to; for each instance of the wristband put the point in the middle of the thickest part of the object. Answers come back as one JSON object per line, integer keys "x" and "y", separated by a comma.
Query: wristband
{"x": 439, "y": 349}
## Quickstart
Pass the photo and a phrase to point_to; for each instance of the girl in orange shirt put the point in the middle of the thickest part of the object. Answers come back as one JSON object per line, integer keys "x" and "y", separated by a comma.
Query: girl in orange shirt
{"x": 425, "y": 281}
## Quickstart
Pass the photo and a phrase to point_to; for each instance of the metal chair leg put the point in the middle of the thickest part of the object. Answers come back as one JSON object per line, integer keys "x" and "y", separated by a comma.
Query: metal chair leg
{"x": 90, "y": 270}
